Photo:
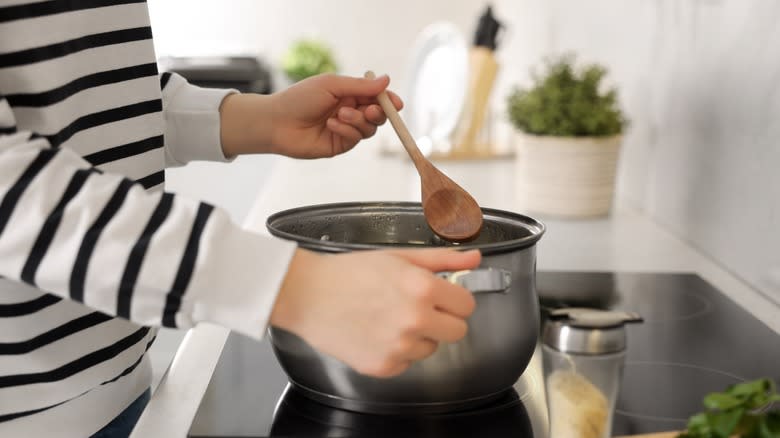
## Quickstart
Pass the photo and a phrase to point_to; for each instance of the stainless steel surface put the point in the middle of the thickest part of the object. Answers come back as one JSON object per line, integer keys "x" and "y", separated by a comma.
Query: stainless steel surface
{"x": 587, "y": 331}
{"x": 350, "y": 226}
{"x": 503, "y": 330}
{"x": 481, "y": 281}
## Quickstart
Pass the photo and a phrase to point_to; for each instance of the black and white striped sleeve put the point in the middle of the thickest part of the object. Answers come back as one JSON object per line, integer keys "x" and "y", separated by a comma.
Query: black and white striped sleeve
{"x": 101, "y": 239}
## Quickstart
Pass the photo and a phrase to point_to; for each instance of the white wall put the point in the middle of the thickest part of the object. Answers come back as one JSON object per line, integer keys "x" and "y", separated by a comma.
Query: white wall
{"x": 701, "y": 82}
{"x": 699, "y": 79}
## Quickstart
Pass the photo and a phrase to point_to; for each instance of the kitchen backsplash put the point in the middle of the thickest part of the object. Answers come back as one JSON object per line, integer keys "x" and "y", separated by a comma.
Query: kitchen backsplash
{"x": 700, "y": 80}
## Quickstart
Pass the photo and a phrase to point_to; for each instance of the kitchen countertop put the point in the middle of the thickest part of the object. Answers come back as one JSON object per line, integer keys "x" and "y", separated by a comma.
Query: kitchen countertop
{"x": 627, "y": 241}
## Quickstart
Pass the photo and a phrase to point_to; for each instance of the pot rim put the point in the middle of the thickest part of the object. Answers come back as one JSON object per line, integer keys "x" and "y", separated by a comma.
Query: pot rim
{"x": 536, "y": 228}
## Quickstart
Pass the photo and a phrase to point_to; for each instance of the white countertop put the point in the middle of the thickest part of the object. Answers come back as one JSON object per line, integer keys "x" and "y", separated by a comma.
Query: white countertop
{"x": 626, "y": 241}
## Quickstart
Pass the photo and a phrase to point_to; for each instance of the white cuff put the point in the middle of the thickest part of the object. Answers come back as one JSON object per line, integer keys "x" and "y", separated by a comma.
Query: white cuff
{"x": 192, "y": 128}
{"x": 237, "y": 278}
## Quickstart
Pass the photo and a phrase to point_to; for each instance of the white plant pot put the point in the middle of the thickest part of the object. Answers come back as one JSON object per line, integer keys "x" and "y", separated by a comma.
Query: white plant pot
{"x": 566, "y": 176}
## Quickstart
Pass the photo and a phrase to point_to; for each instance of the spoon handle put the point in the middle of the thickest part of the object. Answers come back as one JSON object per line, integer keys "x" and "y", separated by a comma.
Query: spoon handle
{"x": 400, "y": 127}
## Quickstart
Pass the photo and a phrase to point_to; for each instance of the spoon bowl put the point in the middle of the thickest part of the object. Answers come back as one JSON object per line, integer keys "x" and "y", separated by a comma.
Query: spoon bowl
{"x": 451, "y": 212}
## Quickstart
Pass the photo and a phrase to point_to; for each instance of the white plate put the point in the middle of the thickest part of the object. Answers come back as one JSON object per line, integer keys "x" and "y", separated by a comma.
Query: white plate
{"x": 437, "y": 80}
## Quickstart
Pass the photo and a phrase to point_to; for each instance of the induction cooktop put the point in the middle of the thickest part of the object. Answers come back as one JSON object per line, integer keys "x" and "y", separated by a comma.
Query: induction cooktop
{"x": 694, "y": 340}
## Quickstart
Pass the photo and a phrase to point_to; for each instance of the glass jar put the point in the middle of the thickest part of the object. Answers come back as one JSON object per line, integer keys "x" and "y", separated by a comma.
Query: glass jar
{"x": 583, "y": 352}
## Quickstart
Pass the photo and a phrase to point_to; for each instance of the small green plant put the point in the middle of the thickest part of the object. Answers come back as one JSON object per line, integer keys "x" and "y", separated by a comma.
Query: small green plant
{"x": 308, "y": 58}
{"x": 566, "y": 102}
{"x": 741, "y": 410}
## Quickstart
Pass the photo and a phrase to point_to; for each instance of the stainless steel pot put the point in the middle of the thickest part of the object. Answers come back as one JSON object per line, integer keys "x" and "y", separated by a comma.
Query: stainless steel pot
{"x": 503, "y": 329}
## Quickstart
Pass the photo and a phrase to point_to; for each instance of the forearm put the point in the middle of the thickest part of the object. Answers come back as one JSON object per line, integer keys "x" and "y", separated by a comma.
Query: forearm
{"x": 246, "y": 121}
{"x": 154, "y": 258}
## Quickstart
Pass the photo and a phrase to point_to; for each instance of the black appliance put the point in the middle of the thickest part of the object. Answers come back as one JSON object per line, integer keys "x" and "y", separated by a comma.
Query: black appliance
{"x": 694, "y": 340}
{"x": 244, "y": 73}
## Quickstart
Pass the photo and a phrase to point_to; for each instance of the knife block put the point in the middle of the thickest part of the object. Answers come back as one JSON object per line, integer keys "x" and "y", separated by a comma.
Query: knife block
{"x": 467, "y": 139}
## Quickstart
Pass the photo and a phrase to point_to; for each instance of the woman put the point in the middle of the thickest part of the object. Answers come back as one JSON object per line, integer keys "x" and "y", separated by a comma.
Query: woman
{"x": 95, "y": 254}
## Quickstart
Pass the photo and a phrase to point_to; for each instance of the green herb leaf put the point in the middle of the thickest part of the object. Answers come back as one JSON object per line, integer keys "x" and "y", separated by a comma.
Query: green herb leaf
{"x": 739, "y": 410}
{"x": 750, "y": 388}
{"x": 764, "y": 430}
{"x": 724, "y": 423}
{"x": 307, "y": 58}
{"x": 699, "y": 426}
{"x": 721, "y": 401}
{"x": 567, "y": 102}
{"x": 773, "y": 423}
{"x": 747, "y": 425}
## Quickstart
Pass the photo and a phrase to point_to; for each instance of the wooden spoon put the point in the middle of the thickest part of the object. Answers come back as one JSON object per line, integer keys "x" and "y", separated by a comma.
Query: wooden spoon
{"x": 451, "y": 212}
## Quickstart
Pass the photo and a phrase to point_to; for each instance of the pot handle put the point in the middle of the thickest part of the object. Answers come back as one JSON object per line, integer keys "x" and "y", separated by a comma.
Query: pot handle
{"x": 481, "y": 281}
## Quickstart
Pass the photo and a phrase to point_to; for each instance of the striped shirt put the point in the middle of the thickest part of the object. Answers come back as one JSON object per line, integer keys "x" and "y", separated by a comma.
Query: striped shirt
{"x": 93, "y": 253}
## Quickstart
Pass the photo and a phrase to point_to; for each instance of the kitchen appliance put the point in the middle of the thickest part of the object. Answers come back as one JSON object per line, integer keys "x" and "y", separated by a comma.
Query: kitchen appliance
{"x": 584, "y": 350}
{"x": 694, "y": 340}
{"x": 502, "y": 333}
{"x": 246, "y": 74}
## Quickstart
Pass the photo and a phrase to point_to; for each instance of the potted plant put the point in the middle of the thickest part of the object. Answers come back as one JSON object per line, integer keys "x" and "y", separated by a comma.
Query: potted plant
{"x": 308, "y": 57}
{"x": 569, "y": 132}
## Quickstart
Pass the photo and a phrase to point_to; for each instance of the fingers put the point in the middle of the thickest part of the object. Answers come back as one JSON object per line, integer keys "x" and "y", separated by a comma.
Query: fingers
{"x": 375, "y": 115}
{"x": 452, "y": 298}
{"x": 441, "y": 259}
{"x": 390, "y": 369}
{"x": 372, "y": 112}
{"x": 397, "y": 102}
{"x": 349, "y": 133}
{"x": 357, "y": 119}
{"x": 414, "y": 348}
{"x": 364, "y": 90}
{"x": 447, "y": 297}
{"x": 443, "y": 327}
{"x": 343, "y": 86}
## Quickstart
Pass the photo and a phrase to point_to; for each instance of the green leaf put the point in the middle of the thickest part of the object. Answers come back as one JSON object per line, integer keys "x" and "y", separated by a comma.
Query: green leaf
{"x": 750, "y": 388}
{"x": 721, "y": 401}
{"x": 773, "y": 422}
{"x": 763, "y": 430}
{"x": 699, "y": 426}
{"x": 307, "y": 58}
{"x": 724, "y": 423}
{"x": 738, "y": 411}
{"x": 747, "y": 425}
{"x": 567, "y": 102}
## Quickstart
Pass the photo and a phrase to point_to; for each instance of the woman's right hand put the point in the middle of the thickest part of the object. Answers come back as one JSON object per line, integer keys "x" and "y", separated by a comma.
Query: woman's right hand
{"x": 377, "y": 311}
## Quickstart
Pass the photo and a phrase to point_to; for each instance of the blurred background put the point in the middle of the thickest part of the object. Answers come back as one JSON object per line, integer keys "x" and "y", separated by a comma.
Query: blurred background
{"x": 698, "y": 79}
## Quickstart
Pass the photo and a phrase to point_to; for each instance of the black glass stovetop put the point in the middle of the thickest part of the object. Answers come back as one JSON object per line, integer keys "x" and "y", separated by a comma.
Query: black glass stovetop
{"x": 694, "y": 340}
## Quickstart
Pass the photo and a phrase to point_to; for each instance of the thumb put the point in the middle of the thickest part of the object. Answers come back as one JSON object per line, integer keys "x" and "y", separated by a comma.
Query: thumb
{"x": 346, "y": 86}
{"x": 441, "y": 259}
